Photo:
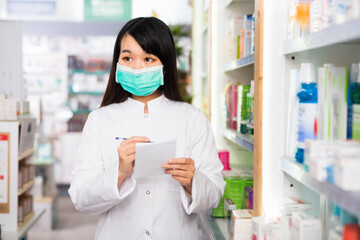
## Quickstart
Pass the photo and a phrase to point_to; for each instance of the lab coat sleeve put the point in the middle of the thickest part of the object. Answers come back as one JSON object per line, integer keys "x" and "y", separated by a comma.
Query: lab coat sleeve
{"x": 208, "y": 184}
{"x": 93, "y": 188}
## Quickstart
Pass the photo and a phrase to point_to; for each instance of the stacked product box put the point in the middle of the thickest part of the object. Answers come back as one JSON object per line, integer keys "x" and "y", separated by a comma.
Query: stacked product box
{"x": 248, "y": 201}
{"x": 337, "y": 162}
{"x": 305, "y": 226}
{"x": 240, "y": 227}
{"x": 11, "y": 109}
{"x": 286, "y": 208}
{"x": 235, "y": 190}
{"x": 262, "y": 228}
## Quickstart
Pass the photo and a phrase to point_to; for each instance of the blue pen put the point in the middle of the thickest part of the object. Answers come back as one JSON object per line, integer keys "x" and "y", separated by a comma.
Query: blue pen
{"x": 120, "y": 138}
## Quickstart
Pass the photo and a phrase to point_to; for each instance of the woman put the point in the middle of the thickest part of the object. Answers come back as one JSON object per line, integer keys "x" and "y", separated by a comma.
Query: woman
{"x": 142, "y": 102}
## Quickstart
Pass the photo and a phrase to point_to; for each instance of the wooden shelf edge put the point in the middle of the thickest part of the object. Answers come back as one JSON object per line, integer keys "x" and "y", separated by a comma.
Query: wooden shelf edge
{"x": 26, "y": 154}
{"x": 26, "y": 187}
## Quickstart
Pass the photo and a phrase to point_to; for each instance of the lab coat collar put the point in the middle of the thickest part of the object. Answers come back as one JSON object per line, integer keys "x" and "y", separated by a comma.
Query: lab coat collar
{"x": 153, "y": 105}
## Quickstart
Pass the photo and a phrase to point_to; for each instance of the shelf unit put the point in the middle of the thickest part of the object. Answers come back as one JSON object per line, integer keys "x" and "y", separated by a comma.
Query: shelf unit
{"x": 27, "y": 186}
{"x": 346, "y": 199}
{"x": 240, "y": 63}
{"x": 338, "y": 45}
{"x": 214, "y": 228}
{"x": 18, "y": 235}
{"x": 348, "y": 32}
{"x": 244, "y": 141}
{"x": 26, "y": 154}
{"x": 221, "y": 71}
{"x": 17, "y": 140}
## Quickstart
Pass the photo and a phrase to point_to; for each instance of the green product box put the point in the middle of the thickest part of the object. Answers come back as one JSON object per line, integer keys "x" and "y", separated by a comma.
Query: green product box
{"x": 243, "y": 90}
{"x": 235, "y": 190}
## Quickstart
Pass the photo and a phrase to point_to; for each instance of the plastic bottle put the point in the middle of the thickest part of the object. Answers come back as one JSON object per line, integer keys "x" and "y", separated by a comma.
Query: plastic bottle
{"x": 307, "y": 125}
{"x": 335, "y": 228}
{"x": 353, "y": 84}
{"x": 334, "y": 221}
{"x": 303, "y": 16}
{"x": 355, "y": 98}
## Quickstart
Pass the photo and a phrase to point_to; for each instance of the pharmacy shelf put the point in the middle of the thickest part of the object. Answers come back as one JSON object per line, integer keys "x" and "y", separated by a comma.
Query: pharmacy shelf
{"x": 26, "y": 187}
{"x": 346, "y": 199}
{"x": 94, "y": 93}
{"x": 83, "y": 71}
{"x": 242, "y": 140}
{"x": 344, "y": 33}
{"x": 25, "y": 228}
{"x": 240, "y": 63}
{"x": 26, "y": 154}
{"x": 215, "y": 228}
{"x": 229, "y": 2}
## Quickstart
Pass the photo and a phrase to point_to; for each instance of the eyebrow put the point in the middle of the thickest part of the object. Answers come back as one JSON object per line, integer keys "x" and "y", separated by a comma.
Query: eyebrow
{"x": 125, "y": 50}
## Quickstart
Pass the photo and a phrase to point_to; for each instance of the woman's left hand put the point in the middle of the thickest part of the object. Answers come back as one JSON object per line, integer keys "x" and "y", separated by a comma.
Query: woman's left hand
{"x": 182, "y": 170}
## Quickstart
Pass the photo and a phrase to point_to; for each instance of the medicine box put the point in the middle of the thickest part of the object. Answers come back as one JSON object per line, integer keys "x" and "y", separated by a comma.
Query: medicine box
{"x": 337, "y": 91}
{"x": 268, "y": 229}
{"x": 319, "y": 155}
{"x": 248, "y": 201}
{"x": 305, "y": 226}
{"x": 235, "y": 189}
{"x": 241, "y": 224}
{"x": 288, "y": 206}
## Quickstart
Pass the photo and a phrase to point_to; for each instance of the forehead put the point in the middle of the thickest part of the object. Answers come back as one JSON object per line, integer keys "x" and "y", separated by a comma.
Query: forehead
{"x": 129, "y": 43}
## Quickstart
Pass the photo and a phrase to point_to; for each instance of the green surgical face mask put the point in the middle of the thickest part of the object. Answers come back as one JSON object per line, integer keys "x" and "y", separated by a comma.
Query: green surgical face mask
{"x": 140, "y": 82}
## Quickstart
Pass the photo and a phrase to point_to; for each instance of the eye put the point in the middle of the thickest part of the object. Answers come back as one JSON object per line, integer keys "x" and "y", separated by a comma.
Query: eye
{"x": 127, "y": 59}
{"x": 149, "y": 59}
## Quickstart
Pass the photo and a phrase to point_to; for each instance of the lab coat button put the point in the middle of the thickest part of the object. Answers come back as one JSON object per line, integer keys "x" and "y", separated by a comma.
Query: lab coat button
{"x": 147, "y": 233}
{"x": 147, "y": 192}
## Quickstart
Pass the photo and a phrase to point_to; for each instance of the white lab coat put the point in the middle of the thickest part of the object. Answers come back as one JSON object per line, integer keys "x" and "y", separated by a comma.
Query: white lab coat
{"x": 153, "y": 207}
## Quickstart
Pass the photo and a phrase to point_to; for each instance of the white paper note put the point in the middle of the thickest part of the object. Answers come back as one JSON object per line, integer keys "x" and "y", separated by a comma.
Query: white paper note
{"x": 150, "y": 156}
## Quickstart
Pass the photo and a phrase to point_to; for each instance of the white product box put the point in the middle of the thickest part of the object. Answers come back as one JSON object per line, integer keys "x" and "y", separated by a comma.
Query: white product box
{"x": 288, "y": 206}
{"x": 333, "y": 235}
{"x": 337, "y": 92}
{"x": 293, "y": 27}
{"x": 305, "y": 226}
{"x": 323, "y": 104}
{"x": 347, "y": 165}
{"x": 24, "y": 107}
{"x": 9, "y": 109}
{"x": 247, "y": 34}
{"x": 319, "y": 155}
{"x": 252, "y": 51}
{"x": 241, "y": 224}
{"x": 27, "y": 134}
{"x": 236, "y": 30}
{"x": 263, "y": 229}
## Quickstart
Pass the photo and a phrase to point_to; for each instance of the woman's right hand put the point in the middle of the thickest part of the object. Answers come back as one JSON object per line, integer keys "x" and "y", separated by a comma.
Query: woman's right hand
{"x": 126, "y": 152}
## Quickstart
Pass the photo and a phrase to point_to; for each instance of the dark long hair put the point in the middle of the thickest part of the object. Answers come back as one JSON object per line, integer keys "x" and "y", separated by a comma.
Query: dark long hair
{"x": 154, "y": 37}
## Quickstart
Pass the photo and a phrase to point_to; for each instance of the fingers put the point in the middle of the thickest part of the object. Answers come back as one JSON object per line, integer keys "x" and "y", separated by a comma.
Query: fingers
{"x": 137, "y": 139}
{"x": 181, "y": 169}
{"x": 184, "y": 167}
{"x": 127, "y": 147}
{"x": 184, "y": 181}
{"x": 181, "y": 161}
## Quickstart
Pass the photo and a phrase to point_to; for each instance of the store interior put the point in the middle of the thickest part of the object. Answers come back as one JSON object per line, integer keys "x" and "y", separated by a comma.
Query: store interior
{"x": 279, "y": 84}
